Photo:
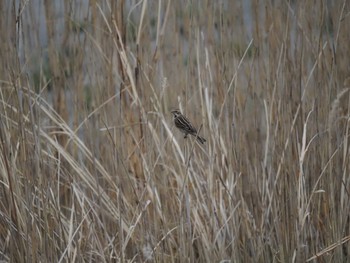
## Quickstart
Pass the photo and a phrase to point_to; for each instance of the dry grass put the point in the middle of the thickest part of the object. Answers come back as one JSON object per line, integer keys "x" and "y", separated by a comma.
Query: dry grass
{"x": 92, "y": 169}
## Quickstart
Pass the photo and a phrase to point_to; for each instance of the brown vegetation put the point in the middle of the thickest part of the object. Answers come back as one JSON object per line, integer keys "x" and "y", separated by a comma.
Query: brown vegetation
{"x": 92, "y": 168}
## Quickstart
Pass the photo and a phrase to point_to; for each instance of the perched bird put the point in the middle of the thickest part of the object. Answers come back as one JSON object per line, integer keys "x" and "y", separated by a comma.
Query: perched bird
{"x": 185, "y": 126}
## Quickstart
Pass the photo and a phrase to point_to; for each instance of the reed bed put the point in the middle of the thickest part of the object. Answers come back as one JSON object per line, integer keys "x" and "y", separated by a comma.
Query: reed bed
{"x": 92, "y": 168}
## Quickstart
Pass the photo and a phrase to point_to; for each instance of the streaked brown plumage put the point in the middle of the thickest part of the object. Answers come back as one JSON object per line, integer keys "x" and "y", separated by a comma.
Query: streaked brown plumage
{"x": 185, "y": 126}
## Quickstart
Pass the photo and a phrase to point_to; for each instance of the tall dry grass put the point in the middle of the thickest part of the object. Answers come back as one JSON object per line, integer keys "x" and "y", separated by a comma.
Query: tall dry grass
{"x": 92, "y": 169}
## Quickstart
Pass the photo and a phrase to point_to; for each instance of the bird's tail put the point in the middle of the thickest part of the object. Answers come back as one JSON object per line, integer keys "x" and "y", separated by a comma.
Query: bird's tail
{"x": 199, "y": 138}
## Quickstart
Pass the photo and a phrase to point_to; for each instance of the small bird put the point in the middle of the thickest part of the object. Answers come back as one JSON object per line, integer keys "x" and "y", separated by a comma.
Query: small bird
{"x": 185, "y": 126}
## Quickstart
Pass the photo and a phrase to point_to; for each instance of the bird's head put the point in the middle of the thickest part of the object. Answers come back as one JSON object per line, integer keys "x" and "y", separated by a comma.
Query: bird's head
{"x": 176, "y": 113}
